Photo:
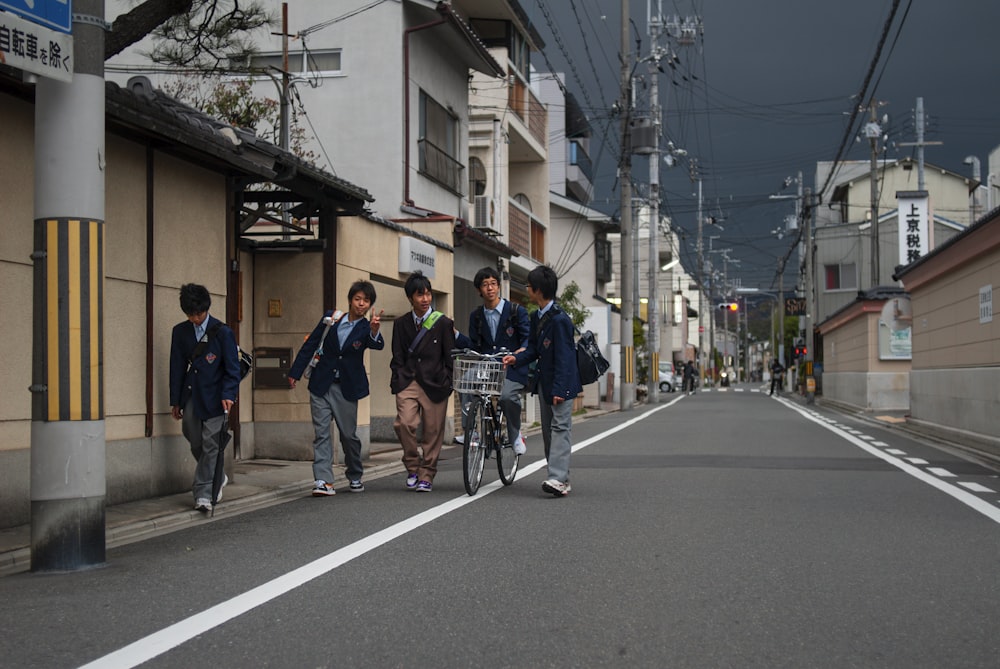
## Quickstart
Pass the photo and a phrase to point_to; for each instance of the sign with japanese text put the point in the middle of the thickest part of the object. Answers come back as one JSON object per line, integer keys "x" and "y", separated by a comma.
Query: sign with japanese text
{"x": 414, "y": 255}
{"x": 29, "y": 47}
{"x": 913, "y": 225}
{"x": 54, "y": 14}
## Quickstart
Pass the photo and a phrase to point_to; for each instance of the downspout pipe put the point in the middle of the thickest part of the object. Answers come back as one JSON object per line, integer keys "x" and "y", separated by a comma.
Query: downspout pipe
{"x": 407, "y": 200}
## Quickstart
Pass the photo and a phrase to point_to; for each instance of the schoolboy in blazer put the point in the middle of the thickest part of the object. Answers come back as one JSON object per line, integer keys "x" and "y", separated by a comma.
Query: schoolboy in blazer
{"x": 203, "y": 388}
{"x": 421, "y": 366}
{"x": 337, "y": 381}
{"x": 551, "y": 343}
{"x": 496, "y": 325}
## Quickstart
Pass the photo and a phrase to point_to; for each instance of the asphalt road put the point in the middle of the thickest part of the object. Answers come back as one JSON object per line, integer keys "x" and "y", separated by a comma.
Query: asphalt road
{"x": 717, "y": 530}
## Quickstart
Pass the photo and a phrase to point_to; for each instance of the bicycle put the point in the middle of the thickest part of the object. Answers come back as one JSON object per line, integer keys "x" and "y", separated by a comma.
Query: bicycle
{"x": 482, "y": 376}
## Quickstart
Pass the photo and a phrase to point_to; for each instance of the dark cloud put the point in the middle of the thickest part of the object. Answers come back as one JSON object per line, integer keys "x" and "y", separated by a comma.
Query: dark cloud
{"x": 767, "y": 92}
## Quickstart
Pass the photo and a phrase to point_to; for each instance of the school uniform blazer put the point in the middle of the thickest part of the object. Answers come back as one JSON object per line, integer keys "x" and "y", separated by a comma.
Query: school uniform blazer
{"x": 214, "y": 376}
{"x": 512, "y": 334}
{"x": 345, "y": 366}
{"x": 430, "y": 364}
{"x": 554, "y": 349}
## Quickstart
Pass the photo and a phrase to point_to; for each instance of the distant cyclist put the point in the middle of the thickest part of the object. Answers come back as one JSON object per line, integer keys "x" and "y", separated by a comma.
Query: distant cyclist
{"x": 777, "y": 372}
{"x": 689, "y": 375}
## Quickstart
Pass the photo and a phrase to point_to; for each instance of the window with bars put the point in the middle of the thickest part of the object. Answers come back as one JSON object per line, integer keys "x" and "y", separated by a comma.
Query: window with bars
{"x": 438, "y": 144}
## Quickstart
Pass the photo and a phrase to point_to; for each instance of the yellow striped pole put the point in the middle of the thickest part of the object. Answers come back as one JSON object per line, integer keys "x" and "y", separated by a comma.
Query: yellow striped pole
{"x": 73, "y": 251}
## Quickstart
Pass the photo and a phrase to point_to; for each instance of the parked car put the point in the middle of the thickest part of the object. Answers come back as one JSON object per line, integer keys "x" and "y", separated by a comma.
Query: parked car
{"x": 667, "y": 380}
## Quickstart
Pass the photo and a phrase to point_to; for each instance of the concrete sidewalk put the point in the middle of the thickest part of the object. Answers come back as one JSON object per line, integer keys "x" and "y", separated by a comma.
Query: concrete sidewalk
{"x": 256, "y": 484}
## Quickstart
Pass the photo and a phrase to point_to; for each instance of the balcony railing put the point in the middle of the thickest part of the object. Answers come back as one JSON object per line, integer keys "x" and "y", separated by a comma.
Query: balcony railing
{"x": 439, "y": 166}
{"x": 527, "y": 107}
{"x": 526, "y": 233}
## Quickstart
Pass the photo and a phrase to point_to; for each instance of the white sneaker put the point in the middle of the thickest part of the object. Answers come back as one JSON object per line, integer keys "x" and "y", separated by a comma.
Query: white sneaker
{"x": 520, "y": 447}
{"x": 557, "y": 488}
{"x": 203, "y": 504}
{"x": 459, "y": 438}
{"x": 225, "y": 482}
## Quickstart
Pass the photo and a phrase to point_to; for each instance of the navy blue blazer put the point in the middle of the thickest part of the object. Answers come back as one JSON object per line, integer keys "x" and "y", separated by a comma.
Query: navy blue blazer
{"x": 213, "y": 377}
{"x": 554, "y": 348}
{"x": 512, "y": 334}
{"x": 346, "y": 366}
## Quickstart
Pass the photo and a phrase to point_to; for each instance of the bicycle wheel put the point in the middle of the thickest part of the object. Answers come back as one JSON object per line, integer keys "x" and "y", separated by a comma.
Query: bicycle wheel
{"x": 507, "y": 459}
{"x": 474, "y": 451}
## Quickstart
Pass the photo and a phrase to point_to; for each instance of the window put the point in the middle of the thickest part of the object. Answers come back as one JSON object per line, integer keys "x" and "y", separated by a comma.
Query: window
{"x": 438, "y": 144}
{"x": 301, "y": 62}
{"x": 841, "y": 277}
{"x": 477, "y": 178}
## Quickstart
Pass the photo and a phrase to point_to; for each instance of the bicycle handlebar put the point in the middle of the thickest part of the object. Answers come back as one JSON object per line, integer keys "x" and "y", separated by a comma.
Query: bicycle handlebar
{"x": 476, "y": 354}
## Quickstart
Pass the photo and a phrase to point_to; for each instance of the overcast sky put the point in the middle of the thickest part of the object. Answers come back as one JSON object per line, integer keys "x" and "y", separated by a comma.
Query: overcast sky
{"x": 767, "y": 91}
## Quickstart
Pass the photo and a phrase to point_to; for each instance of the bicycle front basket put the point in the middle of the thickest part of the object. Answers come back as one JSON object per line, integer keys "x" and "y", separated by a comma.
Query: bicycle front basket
{"x": 478, "y": 376}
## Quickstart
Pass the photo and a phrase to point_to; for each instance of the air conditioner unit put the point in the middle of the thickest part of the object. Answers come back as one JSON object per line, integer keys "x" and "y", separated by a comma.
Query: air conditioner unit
{"x": 487, "y": 216}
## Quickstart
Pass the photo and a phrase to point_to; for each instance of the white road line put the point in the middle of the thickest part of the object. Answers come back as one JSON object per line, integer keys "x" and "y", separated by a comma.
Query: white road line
{"x": 173, "y": 636}
{"x": 917, "y": 461}
{"x": 990, "y": 511}
{"x": 866, "y": 437}
{"x": 938, "y": 471}
{"x": 880, "y": 443}
{"x": 895, "y": 451}
{"x": 975, "y": 487}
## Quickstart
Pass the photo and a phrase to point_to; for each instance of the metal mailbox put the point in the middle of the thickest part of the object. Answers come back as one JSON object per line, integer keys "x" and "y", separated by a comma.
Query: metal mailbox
{"x": 270, "y": 367}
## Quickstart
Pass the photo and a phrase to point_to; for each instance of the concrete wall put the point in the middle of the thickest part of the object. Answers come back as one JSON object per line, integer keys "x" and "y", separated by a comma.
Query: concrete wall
{"x": 956, "y": 357}
{"x": 189, "y": 213}
{"x": 853, "y": 374}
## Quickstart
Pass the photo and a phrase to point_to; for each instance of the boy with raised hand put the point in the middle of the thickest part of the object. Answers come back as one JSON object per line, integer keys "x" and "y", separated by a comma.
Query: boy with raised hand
{"x": 422, "y": 342}
{"x": 551, "y": 344}
{"x": 333, "y": 357}
{"x": 499, "y": 324}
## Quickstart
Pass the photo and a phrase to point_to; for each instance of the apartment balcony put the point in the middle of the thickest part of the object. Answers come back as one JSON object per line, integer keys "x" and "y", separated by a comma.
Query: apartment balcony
{"x": 579, "y": 172}
{"x": 529, "y": 122}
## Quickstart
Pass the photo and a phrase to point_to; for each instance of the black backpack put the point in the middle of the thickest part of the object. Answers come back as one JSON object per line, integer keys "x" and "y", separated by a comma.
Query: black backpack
{"x": 590, "y": 363}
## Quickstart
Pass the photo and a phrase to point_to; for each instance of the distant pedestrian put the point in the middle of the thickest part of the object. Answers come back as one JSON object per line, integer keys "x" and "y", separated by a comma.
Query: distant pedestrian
{"x": 551, "y": 344}
{"x": 422, "y": 342}
{"x": 204, "y": 385}
{"x": 777, "y": 373}
{"x": 689, "y": 373}
{"x": 333, "y": 357}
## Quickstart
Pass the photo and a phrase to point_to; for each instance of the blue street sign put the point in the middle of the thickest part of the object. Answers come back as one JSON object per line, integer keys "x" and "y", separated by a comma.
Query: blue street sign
{"x": 53, "y": 14}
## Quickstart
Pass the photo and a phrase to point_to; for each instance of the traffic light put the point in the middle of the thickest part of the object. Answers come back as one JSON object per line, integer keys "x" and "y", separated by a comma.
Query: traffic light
{"x": 801, "y": 351}
{"x": 730, "y": 306}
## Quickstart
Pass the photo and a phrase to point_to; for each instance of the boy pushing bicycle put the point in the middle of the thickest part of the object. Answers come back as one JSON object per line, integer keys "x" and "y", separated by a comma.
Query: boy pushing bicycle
{"x": 499, "y": 325}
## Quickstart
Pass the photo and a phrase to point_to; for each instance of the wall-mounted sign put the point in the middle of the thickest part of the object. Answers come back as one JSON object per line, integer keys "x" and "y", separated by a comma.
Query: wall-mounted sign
{"x": 914, "y": 232}
{"x": 53, "y": 14}
{"x": 986, "y": 304}
{"x": 32, "y": 48}
{"x": 414, "y": 255}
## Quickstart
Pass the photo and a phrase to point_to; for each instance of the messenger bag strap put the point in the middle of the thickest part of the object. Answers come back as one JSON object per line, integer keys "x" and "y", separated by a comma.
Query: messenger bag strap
{"x": 199, "y": 349}
{"x": 428, "y": 324}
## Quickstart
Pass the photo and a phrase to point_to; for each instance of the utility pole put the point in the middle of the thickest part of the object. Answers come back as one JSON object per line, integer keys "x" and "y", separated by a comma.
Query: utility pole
{"x": 873, "y": 131}
{"x": 701, "y": 283}
{"x": 807, "y": 216}
{"x": 68, "y": 439}
{"x": 627, "y": 385}
{"x": 653, "y": 306}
